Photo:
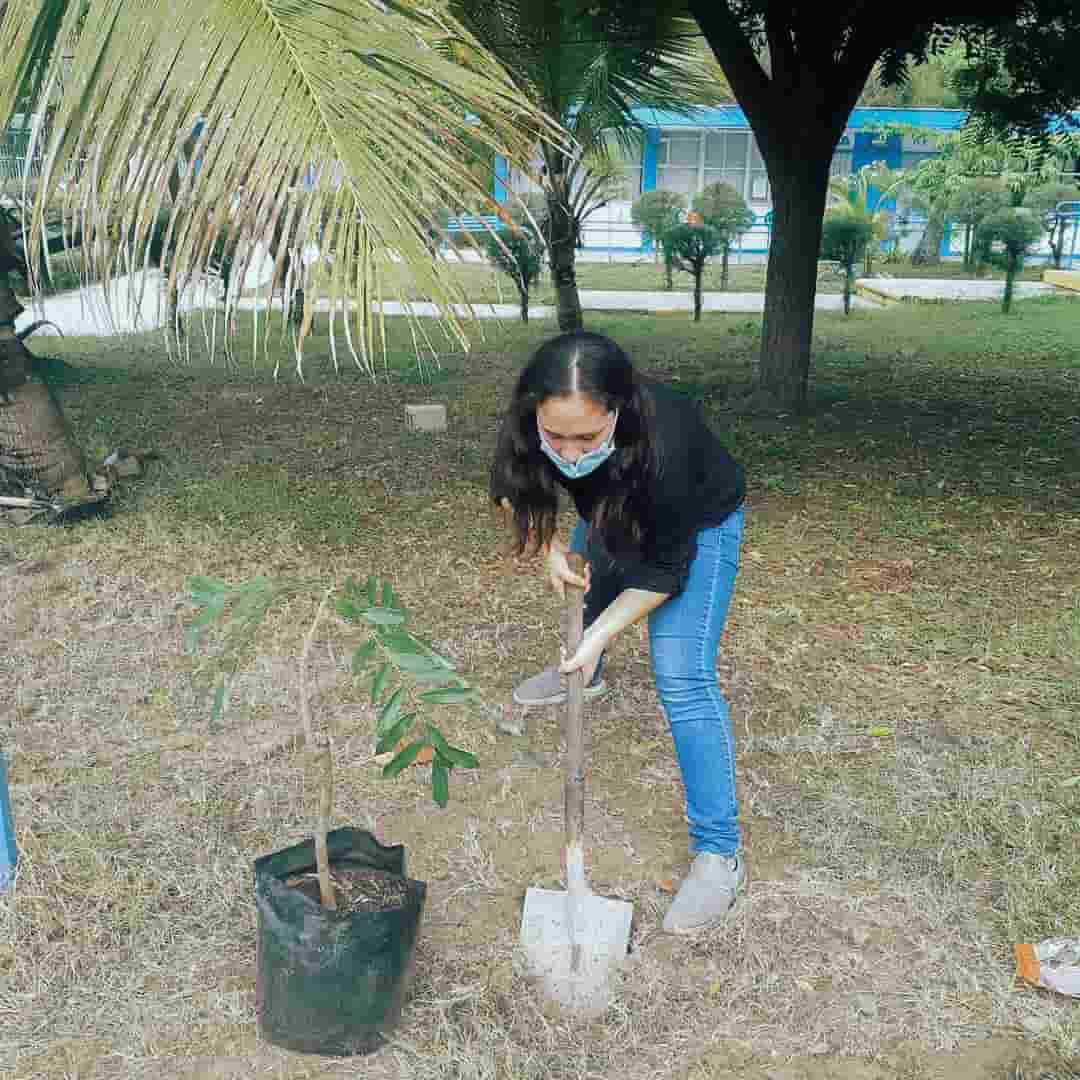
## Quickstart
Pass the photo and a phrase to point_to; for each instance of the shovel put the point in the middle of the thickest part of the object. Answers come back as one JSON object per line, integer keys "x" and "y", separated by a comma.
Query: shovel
{"x": 572, "y": 940}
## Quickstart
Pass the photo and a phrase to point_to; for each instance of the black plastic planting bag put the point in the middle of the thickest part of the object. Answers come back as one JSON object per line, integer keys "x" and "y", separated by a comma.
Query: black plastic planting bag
{"x": 330, "y": 982}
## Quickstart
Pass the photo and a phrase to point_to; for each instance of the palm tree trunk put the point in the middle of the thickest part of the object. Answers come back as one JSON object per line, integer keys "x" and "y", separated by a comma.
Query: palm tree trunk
{"x": 36, "y": 447}
{"x": 849, "y": 281}
{"x": 669, "y": 280}
{"x": 698, "y": 271}
{"x": 562, "y": 253}
{"x": 523, "y": 298}
{"x": 724, "y": 270}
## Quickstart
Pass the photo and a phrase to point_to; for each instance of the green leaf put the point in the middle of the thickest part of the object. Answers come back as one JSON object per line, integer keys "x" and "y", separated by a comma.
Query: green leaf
{"x": 372, "y": 590}
{"x": 390, "y": 711}
{"x": 206, "y": 588}
{"x": 347, "y": 608}
{"x": 379, "y": 683}
{"x": 460, "y": 759}
{"x": 440, "y": 783}
{"x": 452, "y": 695}
{"x": 391, "y": 738}
{"x": 362, "y": 656}
{"x": 378, "y": 616}
{"x": 437, "y": 740}
{"x": 418, "y": 666}
{"x": 404, "y": 759}
{"x": 388, "y": 595}
{"x": 451, "y": 756}
{"x": 398, "y": 639}
{"x": 217, "y": 710}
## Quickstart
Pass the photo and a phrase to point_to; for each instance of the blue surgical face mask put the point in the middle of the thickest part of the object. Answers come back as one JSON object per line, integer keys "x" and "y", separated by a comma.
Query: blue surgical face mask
{"x": 587, "y": 463}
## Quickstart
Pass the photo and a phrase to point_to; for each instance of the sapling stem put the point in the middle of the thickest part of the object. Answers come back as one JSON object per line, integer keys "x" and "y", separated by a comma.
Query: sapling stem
{"x": 319, "y": 742}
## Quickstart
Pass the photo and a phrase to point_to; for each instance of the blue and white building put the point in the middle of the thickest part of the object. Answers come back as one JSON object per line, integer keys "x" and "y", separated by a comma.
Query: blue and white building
{"x": 686, "y": 153}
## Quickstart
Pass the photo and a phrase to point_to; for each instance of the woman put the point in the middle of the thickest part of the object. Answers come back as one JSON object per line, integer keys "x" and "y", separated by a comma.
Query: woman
{"x": 660, "y": 503}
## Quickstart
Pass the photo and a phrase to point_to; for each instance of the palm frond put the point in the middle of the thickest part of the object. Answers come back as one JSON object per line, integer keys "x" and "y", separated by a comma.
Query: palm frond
{"x": 346, "y": 126}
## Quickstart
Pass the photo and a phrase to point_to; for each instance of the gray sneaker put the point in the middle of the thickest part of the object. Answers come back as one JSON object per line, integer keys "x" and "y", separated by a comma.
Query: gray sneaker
{"x": 549, "y": 688}
{"x": 707, "y": 893}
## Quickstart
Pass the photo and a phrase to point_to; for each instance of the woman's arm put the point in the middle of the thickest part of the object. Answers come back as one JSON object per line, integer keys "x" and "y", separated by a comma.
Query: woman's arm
{"x": 629, "y": 607}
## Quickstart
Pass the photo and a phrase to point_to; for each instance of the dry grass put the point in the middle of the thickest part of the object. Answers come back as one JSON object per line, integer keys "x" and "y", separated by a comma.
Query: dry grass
{"x": 904, "y": 664}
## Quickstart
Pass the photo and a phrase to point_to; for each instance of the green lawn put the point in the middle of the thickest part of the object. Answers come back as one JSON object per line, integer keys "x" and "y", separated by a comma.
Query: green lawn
{"x": 902, "y": 658}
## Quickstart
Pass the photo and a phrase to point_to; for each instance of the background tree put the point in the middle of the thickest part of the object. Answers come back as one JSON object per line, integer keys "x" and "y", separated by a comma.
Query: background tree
{"x": 1043, "y": 201}
{"x": 1015, "y": 228}
{"x": 845, "y": 235}
{"x": 588, "y": 68}
{"x": 929, "y": 85}
{"x": 724, "y": 209}
{"x": 656, "y": 213}
{"x": 324, "y": 124}
{"x": 1020, "y": 162}
{"x": 798, "y": 69}
{"x": 517, "y": 250}
{"x": 690, "y": 247}
{"x": 864, "y": 195}
{"x": 971, "y": 203}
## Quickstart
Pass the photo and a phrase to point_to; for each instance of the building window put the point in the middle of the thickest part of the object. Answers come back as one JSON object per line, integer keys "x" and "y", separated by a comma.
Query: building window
{"x": 687, "y": 162}
{"x": 679, "y": 163}
{"x": 630, "y": 163}
{"x": 725, "y": 158}
{"x": 758, "y": 189}
{"x": 841, "y": 163}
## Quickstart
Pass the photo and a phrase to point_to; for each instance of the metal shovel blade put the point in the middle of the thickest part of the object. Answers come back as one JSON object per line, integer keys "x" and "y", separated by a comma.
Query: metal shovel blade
{"x": 572, "y": 943}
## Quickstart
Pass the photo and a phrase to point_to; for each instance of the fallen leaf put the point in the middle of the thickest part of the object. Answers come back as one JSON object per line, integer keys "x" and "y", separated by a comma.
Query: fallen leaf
{"x": 666, "y": 885}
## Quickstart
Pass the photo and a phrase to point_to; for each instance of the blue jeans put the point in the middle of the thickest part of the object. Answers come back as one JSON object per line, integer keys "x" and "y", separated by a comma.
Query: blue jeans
{"x": 684, "y": 638}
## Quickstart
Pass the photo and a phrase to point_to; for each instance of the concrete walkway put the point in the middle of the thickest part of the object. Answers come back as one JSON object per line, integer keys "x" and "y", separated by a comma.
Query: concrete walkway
{"x": 89, "y": 312}
{"x": 659, "y": 303}
{"x": 898, "y": 289}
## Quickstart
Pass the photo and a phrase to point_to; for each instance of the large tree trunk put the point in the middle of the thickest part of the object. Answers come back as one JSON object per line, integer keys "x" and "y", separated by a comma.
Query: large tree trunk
{"x": 799, "y": 187}
{"x": 698, "y": 271}
{"x": 562, "y": 250}
{"x": 36, "y": 447}
{"x": 797, "y": 106}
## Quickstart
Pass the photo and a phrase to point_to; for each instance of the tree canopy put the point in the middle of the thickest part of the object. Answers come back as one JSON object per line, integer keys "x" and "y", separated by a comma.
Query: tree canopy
{"x": 798, "y": 69}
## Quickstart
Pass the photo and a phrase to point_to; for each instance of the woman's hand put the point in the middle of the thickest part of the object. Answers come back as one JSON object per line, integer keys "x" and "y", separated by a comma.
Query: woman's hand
{"x": 559, "y": 572}
{"x": 587, "y": 656}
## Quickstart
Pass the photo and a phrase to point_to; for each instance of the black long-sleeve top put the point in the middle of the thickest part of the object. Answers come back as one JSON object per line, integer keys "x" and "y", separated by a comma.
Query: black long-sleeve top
{"x": 698, "y": 485}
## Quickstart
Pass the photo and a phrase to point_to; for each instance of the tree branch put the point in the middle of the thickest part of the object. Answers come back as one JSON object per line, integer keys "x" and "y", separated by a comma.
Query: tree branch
{"x": 733, "y": 51}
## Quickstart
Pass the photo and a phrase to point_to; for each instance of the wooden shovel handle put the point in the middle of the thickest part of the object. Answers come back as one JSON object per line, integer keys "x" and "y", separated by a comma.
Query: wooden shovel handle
{"x": 575, "y": 728}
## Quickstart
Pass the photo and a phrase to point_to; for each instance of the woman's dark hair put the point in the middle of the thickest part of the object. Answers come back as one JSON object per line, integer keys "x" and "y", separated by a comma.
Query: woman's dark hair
{"x": 591, "y": 364}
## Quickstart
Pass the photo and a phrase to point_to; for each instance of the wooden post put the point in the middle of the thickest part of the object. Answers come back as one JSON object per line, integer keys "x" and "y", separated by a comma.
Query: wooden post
{"x": 8, "y": 855}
